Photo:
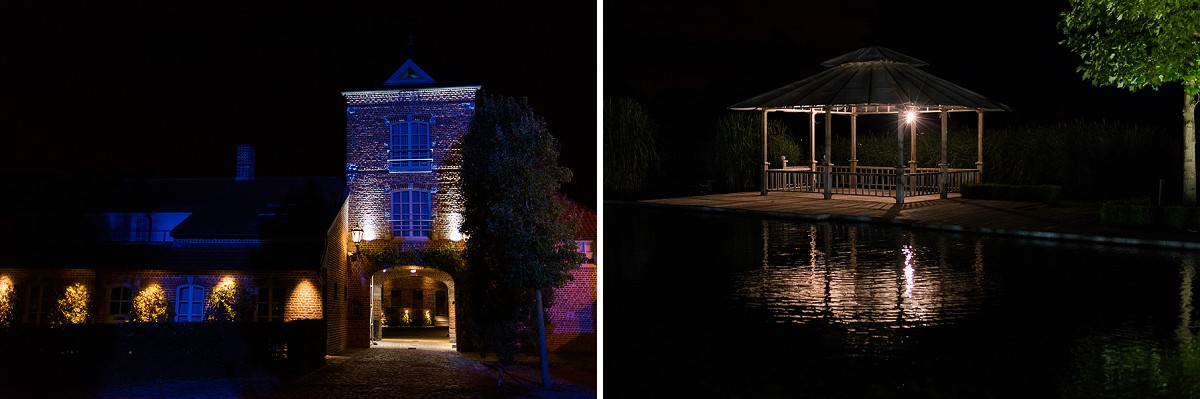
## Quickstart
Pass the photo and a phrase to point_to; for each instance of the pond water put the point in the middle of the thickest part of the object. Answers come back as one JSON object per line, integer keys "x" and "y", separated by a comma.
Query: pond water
{"x": 720, "y": 305}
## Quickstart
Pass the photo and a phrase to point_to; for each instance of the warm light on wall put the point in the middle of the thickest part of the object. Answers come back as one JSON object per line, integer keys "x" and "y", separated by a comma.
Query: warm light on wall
{"x": 304, "y": 303}
{"x": 455, "y": 223}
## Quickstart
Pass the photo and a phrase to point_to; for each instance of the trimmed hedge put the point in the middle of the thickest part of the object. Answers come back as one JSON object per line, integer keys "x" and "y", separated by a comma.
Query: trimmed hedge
{"x": 1140, "y": 212}
{"x": 1007, "y": 192}
{"x": 79, "y": 357}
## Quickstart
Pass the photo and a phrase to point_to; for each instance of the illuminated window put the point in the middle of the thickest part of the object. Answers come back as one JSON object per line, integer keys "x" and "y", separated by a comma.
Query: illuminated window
{"x": 409, "y": 149}
{"x": 411, "y": 216}
{"x": 120, "y": 302}
{"x": 189, "y": 303}
{"x": 270, "y": 304}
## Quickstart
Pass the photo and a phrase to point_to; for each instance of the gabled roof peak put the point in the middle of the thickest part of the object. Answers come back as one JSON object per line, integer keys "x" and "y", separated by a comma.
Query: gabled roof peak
{"x": 409, "y": 74}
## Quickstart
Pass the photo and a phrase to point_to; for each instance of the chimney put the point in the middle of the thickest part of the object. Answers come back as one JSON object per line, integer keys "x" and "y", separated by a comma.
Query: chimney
{"x": 245, "y": 162}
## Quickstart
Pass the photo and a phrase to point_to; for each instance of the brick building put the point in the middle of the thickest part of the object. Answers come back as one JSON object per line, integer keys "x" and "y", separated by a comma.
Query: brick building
{"x": 403, "y": 160}
{"x": 291, "y": 246}
{"x": 277, "y": 244}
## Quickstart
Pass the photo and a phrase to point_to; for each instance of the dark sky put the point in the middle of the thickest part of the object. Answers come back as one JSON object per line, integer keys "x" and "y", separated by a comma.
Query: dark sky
{"x": 688, "y": 60}
{"x": 169, "y": 90}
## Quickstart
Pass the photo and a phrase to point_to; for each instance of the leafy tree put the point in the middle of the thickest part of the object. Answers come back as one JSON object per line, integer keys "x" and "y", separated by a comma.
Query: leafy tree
{"x": 521, "y": 239}
{"x": 1137, "y": 44}
{"x": 630, "y": 152}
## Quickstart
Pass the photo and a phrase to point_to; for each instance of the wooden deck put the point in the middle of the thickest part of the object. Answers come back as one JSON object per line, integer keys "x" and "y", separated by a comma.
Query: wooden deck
{"x": 1076, "y": 222}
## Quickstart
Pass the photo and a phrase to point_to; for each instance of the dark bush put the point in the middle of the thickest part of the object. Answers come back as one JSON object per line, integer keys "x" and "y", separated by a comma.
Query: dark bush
{"x": 992, "y": 191}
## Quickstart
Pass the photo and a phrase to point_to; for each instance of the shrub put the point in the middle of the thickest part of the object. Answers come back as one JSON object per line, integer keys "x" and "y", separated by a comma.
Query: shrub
{"x": 1007, "y": 192}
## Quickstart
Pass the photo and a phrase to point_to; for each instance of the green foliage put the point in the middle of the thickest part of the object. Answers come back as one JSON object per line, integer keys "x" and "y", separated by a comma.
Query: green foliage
{"x": 230, "y": 302}
{"x": 1141, "y": 212}
{"x": 391, "y": 255}
{"x": 73, "y": 306}
{"x": 1135, "y": 44}
{"x": 736, "y": 151}
{"x": 520, "y": 233}
{"x": 630, "y": 151}
{"x": 444, "y": 256}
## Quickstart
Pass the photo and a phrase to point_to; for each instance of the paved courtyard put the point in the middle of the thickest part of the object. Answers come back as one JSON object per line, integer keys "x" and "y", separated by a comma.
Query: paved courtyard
{"x": 394, "y": 368}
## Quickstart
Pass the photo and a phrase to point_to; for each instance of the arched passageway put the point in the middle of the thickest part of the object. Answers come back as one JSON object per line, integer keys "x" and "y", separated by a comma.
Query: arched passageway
{"x": 413, "y": 301}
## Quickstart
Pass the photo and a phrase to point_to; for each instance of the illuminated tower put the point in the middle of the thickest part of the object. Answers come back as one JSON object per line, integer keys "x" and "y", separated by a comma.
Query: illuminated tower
{"x": 403, "y": 157}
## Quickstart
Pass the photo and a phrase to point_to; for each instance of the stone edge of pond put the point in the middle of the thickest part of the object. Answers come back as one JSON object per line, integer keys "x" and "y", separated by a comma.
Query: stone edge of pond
{"x": 1044, "y": 235}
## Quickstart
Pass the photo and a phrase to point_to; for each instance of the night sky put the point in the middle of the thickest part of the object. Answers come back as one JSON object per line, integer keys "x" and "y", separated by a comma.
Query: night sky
{"x": 169, "y": 90}
{"x": 688, "y": 61}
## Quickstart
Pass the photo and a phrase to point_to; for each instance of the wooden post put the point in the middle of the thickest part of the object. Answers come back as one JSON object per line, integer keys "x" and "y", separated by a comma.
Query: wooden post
{"x": 912, "y": 149}
{"x": 812, "y": 140}
{"x": 765, "y": 163}
{"x": 979, "y": 147}
{"x": 828, "y": 164}
{"x": 945, "y": 166}
{"x": 900, "y": 158}
{"x": 853, "y": 148}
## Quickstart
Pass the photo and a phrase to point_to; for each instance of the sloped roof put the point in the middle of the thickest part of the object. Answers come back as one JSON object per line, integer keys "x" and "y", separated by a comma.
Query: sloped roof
{"x": 871, "y": 76}
{"x": 274, "y": 222}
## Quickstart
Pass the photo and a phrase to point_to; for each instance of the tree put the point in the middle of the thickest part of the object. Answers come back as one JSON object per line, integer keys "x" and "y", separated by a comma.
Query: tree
{"x": 521, "y": 238}
{"x": 630, "y": 153}
{"x": 1138, "y": 44}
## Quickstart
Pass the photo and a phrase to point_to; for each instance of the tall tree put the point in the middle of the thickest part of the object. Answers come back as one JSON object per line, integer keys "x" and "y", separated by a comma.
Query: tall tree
{"x": 520, "y": 237}
{"x": 1138, "y": 44}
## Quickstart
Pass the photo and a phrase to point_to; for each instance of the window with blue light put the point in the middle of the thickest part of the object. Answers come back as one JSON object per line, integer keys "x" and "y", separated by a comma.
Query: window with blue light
{"x": 409, "y": 148}
{"x": 411, "y": 215}
{"x": 189, "y": 303}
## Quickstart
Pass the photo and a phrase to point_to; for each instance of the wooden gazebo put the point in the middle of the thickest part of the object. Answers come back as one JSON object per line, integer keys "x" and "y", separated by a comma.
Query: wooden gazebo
{"x": 870, "y": 80}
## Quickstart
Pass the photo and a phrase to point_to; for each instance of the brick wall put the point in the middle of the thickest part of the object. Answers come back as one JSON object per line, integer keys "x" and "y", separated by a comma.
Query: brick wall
{"x": 572, "y": 324}
{"x": 335, "y": 265}
{"x": 367, "y": 137}
{"x": 299, "y": 287}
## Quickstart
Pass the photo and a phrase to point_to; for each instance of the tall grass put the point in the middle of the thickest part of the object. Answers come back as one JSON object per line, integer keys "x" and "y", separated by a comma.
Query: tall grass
{"x": 1090, "y": 160}
{"x": 631, "y": 152}
{"x": 736, "y": 151}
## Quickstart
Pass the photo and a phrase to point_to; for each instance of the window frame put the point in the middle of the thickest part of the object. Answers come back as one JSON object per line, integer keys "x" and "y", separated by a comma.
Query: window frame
{"x": 120, "y": 302}
{"x": 417, "y": 222}
{"x": 410, "y": 145}
{"x": 180, "y": 301}
{"x": 274, "y": 304}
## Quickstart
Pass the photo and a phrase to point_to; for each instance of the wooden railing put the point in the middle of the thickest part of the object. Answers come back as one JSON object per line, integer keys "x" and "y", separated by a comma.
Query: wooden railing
{"x": 878, "y": 181}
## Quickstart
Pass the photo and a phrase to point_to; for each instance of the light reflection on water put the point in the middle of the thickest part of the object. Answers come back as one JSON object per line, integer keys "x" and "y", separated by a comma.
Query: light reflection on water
{"x": 845, "y": 281}
{"x": 730, "y": 306}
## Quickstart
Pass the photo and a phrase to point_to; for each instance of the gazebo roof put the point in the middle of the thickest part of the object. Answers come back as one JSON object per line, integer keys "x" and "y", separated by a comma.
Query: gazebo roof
{"x": 872, "y": 80}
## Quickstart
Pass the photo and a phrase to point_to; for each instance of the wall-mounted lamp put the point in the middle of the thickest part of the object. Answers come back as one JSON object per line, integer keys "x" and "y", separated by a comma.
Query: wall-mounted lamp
{"x": 356, "y": 235}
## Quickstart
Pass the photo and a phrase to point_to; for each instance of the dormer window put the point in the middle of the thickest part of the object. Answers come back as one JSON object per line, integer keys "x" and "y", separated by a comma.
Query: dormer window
{"x": 409, "y": 148}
